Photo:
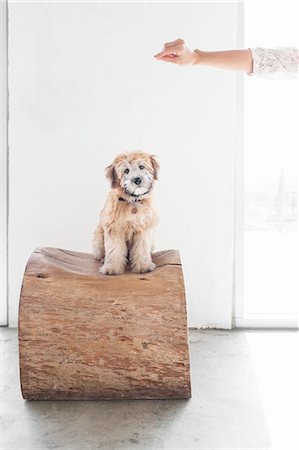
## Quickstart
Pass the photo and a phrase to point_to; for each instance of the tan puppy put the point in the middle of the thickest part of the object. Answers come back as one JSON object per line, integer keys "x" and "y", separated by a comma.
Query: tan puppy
{"x": 125, "y": 231}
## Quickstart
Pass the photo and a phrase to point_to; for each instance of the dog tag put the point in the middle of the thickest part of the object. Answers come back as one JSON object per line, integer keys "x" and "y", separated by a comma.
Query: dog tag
{"x": 134, "y": 210}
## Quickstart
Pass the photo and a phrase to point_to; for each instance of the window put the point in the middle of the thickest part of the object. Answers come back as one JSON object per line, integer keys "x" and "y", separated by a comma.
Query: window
{"x": 270, "y": 296}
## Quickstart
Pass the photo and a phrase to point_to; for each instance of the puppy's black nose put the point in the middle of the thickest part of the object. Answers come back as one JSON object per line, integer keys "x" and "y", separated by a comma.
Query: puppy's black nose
{"x": 137, "y": 180}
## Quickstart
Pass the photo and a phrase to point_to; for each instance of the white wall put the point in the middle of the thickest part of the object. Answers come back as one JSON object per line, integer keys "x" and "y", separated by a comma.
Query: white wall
{"x": 84, "y": 86}
{"x": 3, "y": 164}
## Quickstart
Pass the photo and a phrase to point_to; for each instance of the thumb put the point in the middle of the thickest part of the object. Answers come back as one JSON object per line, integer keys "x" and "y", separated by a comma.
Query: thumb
{"x": 166, "y": 54}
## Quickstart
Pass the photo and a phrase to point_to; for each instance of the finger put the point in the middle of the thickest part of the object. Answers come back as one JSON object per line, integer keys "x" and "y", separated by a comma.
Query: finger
{"x": 159, "y": 54}
{"x": 169, "y": 55}
{"x": 169, "y": 44}
{"x": 172, "y": 59}
{"x": 174, "y": 45}
{"x": 177, "y": 41}
{"x": 166, "y": 52}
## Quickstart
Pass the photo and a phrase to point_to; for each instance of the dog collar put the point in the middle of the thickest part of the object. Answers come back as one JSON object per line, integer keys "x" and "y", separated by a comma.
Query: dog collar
{"x": 121, "y": 199}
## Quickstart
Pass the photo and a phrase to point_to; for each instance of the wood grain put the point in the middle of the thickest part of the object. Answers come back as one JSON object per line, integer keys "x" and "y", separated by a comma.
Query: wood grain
{"x": 83, "y": 335}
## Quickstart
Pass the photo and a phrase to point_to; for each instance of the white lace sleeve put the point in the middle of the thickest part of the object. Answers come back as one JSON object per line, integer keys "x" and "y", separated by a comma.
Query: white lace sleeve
{"x": 281, "y": 62}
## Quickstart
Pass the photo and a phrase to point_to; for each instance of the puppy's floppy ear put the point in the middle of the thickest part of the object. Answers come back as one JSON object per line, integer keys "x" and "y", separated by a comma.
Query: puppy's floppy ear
{"x": 111, "y": 175}
{"x": 155, "y": 166}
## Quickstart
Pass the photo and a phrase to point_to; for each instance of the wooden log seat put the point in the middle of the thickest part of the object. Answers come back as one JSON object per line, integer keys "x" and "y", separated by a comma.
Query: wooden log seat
{"x": 83, "y": 335}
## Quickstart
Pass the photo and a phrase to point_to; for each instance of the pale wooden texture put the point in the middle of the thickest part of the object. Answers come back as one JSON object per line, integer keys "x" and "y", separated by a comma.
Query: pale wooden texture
{"x": 83, "y": 335}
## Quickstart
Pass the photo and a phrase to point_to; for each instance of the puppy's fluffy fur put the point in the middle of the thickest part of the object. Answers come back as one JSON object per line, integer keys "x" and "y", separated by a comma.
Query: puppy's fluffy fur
{"x": 125, "y": 231}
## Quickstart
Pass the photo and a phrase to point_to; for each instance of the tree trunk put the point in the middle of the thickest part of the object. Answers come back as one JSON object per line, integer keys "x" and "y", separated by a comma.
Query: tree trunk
{"x": 83, "y": 335}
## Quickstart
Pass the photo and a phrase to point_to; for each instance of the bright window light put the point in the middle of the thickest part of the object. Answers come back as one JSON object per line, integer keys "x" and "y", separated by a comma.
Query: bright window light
{"x": 271, "y": 170}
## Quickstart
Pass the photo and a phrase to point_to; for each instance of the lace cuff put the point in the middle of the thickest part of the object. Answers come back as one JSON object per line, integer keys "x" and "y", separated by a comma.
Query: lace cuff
{"x": 281, "y": 62}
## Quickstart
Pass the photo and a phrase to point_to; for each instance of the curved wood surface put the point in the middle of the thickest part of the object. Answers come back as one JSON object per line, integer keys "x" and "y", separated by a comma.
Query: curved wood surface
{"x": 83, "y": 335}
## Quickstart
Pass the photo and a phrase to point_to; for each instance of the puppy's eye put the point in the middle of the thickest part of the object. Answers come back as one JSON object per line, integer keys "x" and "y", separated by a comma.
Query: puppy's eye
{"x": 141, "y": 167}
{"x": 127, "y": 170}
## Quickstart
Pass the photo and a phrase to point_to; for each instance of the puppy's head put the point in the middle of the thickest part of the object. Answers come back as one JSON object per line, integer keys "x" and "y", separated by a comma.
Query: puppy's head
{"x": 133, "y": 173}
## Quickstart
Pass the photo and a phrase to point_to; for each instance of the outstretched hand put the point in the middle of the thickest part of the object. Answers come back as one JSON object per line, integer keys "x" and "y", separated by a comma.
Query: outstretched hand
{"x": 177, "y": 52}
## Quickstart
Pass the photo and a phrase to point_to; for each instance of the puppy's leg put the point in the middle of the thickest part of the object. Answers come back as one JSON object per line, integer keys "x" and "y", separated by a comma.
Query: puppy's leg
{"x": 140, "y": 253}
{"x": 98, "y": 243}
{"x": 115, "y": 254}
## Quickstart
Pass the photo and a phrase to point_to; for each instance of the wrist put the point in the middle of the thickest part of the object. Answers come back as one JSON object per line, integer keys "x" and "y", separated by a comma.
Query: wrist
{"x": 201, "y": 57}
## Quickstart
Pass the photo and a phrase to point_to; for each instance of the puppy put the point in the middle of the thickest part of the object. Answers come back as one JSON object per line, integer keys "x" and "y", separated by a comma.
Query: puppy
{"x": 125, "y": 230}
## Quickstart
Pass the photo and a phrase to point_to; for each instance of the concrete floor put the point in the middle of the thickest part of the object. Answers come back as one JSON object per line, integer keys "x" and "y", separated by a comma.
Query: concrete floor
{"x": 236, "y": 389}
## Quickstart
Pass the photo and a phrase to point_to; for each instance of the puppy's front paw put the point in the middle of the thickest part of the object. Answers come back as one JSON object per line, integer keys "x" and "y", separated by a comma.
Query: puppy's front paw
{"x": 109, "y": 269}
{"x": 99, "y": 257}
{"x": 101, "y": 260}
{"x": 143, "y": 267}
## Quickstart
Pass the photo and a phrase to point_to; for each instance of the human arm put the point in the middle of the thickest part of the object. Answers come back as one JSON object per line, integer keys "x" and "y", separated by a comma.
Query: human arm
{"x": 179, "y": 53}
{"x": 281, "y": 62}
